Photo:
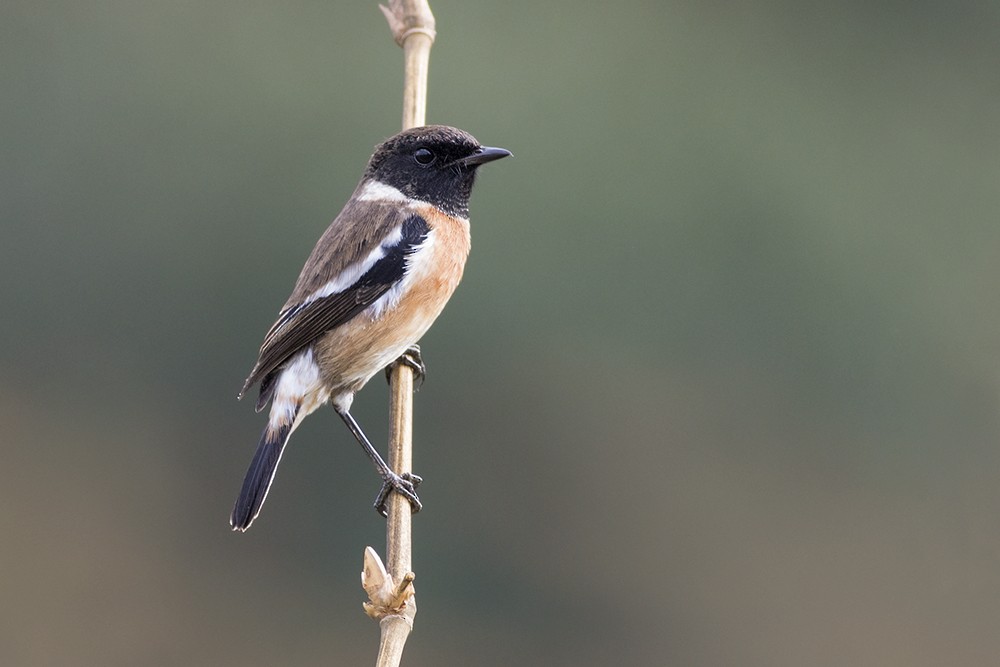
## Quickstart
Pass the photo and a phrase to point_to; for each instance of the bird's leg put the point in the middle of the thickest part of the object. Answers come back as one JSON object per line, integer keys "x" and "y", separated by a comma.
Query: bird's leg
{"x": 414, "y": 360}
{"x": 405, "y": 484}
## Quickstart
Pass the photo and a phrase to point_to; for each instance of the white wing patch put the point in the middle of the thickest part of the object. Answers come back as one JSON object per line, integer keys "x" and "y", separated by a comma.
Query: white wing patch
{"x": 417, "y": 266}
{"x": 353, "y": 273}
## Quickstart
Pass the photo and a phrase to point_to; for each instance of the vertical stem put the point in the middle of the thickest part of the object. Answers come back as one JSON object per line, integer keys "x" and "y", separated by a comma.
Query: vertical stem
{"x": 416, "y": 59}
{"x": 398, "y": 533}
{"x": 416, "y": 37}
{"x": 412, "y": 25}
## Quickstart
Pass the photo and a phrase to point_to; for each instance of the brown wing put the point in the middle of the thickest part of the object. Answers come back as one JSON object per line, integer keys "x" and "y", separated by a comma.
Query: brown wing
{"x": 301, "y": 323}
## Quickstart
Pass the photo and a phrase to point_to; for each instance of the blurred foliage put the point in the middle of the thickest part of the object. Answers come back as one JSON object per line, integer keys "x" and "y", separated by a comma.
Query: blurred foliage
{"x": 720, "y": 386}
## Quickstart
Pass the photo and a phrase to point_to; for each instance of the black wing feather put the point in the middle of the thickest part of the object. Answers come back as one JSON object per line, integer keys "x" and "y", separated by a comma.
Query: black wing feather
{"x": 300, "y": 325}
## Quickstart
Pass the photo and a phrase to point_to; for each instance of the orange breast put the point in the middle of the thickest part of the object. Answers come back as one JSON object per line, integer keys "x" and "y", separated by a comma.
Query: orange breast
{"x": 349, "y": 355}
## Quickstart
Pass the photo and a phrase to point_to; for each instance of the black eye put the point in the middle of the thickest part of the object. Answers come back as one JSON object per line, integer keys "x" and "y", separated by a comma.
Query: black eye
{"x": 423, "y": 156}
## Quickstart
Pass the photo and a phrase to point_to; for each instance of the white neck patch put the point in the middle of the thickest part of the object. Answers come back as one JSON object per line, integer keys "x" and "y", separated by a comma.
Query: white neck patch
{"x": 379, "y": 191}
{"x": 382, "y": 192}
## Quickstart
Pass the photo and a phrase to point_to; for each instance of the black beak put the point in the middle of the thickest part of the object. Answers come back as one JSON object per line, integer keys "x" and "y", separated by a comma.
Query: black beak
{"x": 482, "y": 156}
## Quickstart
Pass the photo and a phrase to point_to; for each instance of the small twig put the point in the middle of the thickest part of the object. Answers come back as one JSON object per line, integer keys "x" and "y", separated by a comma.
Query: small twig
{"x": 391, "y": 592}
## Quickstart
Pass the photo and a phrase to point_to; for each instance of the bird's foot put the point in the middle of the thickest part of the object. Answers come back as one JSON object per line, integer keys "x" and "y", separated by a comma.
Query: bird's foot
{"x": 405, "y": 484}
{"x": 414, "y": 360}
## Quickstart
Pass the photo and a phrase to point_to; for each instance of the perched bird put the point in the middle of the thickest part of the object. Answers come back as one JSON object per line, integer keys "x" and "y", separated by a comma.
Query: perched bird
{"x": 376, "y": 280}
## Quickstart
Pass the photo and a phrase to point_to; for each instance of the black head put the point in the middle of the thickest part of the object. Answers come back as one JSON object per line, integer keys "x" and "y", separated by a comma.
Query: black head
{"x": 434, "y": 163}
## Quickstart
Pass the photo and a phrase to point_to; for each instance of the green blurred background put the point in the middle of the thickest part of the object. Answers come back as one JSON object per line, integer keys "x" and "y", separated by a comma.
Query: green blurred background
{"x": 721, "y": 385}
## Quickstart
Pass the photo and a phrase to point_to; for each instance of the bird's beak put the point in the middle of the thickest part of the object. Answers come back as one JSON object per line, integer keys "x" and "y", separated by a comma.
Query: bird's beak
{"x": 482, "y": 156}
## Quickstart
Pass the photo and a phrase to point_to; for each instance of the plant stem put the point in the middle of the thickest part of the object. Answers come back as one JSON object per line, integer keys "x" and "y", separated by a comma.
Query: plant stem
{"x": 412, "y": 25}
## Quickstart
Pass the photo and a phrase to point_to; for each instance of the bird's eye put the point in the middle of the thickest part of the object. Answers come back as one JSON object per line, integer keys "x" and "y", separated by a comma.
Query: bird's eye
{"x": 423, "y": 156}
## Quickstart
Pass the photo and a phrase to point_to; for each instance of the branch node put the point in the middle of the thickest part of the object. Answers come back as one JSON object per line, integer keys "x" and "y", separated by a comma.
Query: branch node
{"x": 405, "y": 21}
{"x": 386, "y": 596}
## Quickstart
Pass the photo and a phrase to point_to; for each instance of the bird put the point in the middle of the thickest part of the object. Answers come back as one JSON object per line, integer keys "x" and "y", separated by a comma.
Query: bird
{"x": 374, "y": 283}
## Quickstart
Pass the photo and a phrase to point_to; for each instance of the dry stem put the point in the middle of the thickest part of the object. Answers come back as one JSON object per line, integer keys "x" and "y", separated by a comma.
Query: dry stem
{"x": 412, "y": 26}
{"x": 391, "y": 592}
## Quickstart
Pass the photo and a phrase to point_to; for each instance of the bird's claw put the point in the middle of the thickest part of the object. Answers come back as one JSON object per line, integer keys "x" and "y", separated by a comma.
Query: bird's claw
{"x": 405, "y": 484}
{"x": 414, "y": 360}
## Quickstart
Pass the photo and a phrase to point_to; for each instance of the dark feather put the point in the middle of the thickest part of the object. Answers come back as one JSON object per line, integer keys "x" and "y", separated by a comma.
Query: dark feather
{"x": 259, "y": 476}
{"x": 267, "y": 387}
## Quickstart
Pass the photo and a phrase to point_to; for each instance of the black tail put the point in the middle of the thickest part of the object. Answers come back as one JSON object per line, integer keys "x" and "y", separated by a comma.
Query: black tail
{"x": 259, "y": 476}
